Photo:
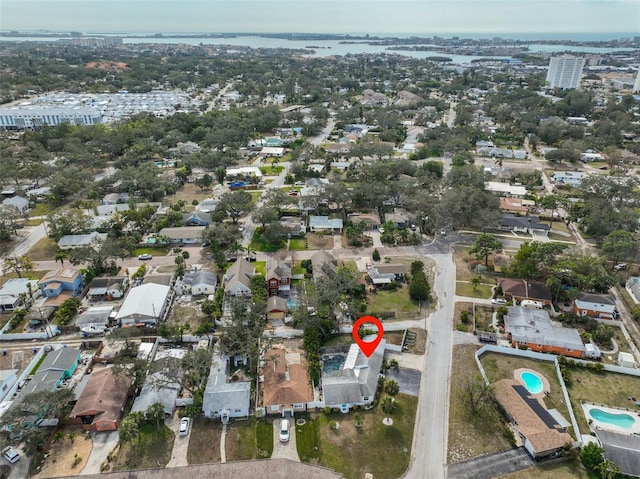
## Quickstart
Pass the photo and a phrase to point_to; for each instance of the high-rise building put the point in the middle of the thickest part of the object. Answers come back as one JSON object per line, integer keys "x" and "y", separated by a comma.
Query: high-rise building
{"x": 636, "y": 85}
{"x": 565, "y": 72}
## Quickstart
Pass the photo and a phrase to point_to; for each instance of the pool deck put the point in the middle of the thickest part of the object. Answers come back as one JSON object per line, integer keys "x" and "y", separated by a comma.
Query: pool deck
{"x": 595, "y": 424}
{"x": 545, "y": 382}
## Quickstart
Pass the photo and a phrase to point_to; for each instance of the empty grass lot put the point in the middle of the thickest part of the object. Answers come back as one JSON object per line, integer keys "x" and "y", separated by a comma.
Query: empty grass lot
{"x": 204, "y": 441}
{"x": 297, "y": 244}
{"x": 468, "y": 436}
{"x": 153, "y": 450}
{"x": 397, "y": 301}
{"x": 44, "y": 250}
{"x": 249, "y": 439}
{"x": 467, "y": 290}
{"x": 354, "y": 451}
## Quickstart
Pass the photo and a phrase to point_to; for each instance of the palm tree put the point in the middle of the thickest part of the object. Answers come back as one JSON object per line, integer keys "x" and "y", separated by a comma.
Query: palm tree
{"x": 389, "y": 405}
{"x": 475, "y": 281}
{"x": 392, "y": 388}
{"x": 60, "y": 256}
{"x": 236, "y": 248}
{"x": 156, "y": 412}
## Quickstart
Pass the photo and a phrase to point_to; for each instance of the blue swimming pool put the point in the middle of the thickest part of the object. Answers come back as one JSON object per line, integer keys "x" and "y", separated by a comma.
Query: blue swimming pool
{"x": 332, "y": 364}
{"x": 532, "y": 382}
{"x": 621, "y": 420}
{"x": 292, "y": 304}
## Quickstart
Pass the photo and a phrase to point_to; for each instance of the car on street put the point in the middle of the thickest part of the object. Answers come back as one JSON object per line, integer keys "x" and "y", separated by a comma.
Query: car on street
{"x": 185, "y": 423}
{"x": 499, "y": 301}
{"x": 145, "y": 256}
{"x": 620, "y": 266}
{"x": 10, "y": 454}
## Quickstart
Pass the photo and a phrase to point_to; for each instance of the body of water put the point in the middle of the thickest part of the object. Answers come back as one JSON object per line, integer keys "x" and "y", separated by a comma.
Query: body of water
{"x": 621, "y": 420}
{"x": 324, "y": 48}
{"x": 532, "y": 382}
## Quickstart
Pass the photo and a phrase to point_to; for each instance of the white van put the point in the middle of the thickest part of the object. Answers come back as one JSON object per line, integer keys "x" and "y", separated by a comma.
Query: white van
{"x": 284, "y": 430}
{"x": 10, "y": 454}
{"x": 530, "y": 304}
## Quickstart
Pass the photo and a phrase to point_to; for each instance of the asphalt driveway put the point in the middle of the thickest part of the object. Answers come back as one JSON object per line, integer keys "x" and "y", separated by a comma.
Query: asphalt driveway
{"x": 407, "y": 379}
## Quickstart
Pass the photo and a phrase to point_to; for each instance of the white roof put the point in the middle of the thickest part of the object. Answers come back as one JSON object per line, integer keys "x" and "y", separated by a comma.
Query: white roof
{"x": 499, "y": 187}
{"x": 146, "y": 301}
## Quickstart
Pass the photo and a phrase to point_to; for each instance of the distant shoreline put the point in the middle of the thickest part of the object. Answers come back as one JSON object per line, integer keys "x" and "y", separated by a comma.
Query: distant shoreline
{"x": 514, "y": 38}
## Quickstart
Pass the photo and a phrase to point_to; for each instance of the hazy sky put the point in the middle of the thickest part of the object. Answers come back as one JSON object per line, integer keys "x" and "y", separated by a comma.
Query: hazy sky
{"x": 330, "y": 16}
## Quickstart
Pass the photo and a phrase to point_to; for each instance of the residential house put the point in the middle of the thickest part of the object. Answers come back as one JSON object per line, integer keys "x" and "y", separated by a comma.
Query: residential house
{"x": 237, "y": 280}
{"x": 542, "y": 431}
{"x": 569, "y": 178}
{"x": 518, "y": 290}
{"x": 208, "y": 206}
{"x": 324, "y": 224}
{"x": 399, "y": 217}
{"x": 57, "y": 366}
{"x": 622, "y": 449}
{"x": 78, "y": 241}
{"x": 102, "y": 401}
{"x": 19, "y": 202}
{"x": 272, "y": 151}
{"x": 200, "y": 282}
{"x": 355, "y": 383}
{"x": 323, "y": 263}
{"x": 115, "y": 198}
{"x": 297, "y": 226}
{"x": 157, "y": 388}
{"x": 196, "y": 218}
{"x": 278, "y": 277}
{"x": 494, "y": 152}
{"x": 244, "y": 171}
{"x": 107, "y": 288}
{"x": 16, "y": 292}
{"x": 516, "y": 205}
{"x": 371, "y": 219}
{"x": 276, "y": 308}
{"x": 533, "y": 329}
{"x": 223, "y": 399}
{"x": 523, "y": 224}
{"x": 387, "y": 273}
{"x": 506, "y": 189}
{"x": 63, "y": 282}
{"x": 601, "y": 306}
{"x": 8, "y": 378}
{"x": 589, "y": 156}
{"x": 146, "y": 304}
{"x": 484, "y": 144}
{"x": 109, "y": 210}
{"x": 626, "y": 360}
{"x": 340, "y": 165}
{"x": 182, "y": 235}
{"x": 286, "y": 387}
{"x": 96, "y": 316}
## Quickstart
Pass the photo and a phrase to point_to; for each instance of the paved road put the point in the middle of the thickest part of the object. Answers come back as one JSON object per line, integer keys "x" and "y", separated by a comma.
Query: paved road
{"x": 22, "y": 248}
{"x": 317, "y": 140}
{"x": 429, "y": 451}
{"x": 491, "y": 465}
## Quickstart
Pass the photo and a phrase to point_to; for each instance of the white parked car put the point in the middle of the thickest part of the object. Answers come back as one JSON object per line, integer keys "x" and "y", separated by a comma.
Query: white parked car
{"x": 145, "y": 256}
{"x": 185, "y": 423}
{"x": 10, "y": 454}
{"x": 284, "y": 430}
{"x": 499, "y": 301}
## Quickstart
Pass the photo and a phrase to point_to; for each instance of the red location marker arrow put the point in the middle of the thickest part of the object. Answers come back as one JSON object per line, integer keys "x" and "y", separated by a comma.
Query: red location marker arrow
{"x": 367, "y": 347}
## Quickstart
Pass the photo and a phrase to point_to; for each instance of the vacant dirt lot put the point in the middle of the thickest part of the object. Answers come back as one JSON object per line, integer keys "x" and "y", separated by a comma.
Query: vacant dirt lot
{"x": 68, "y": 454}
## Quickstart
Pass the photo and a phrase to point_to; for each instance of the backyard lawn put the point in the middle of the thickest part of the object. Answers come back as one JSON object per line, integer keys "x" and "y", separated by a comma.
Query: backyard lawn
{"x": 470, "y": 436}
{"x": 606, "y": 388}
{"x": 259, "y": 244}
{"x": 374, "y": 447}
{"x": 153, "y": 251}
{"x": 249, "y": 439}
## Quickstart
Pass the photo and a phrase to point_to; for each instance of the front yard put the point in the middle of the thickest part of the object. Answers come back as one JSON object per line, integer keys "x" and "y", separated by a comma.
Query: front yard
{"x": 374, "y": 447}
{"x": 152, "y": 449}
{"x": 398, "y": 302}
{"x": 204, "y": 441}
